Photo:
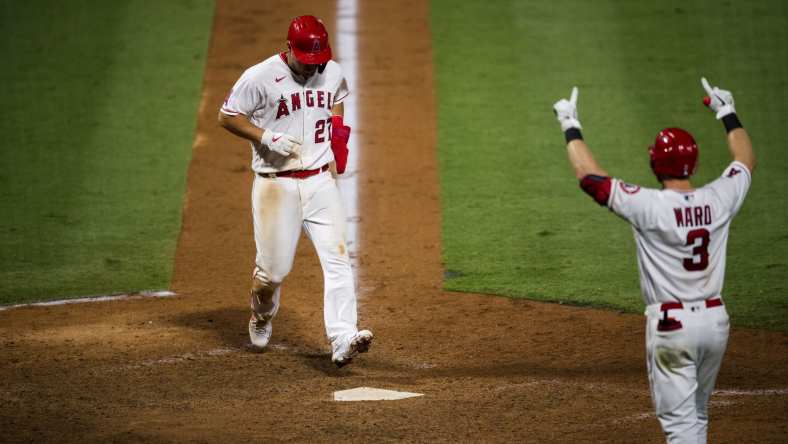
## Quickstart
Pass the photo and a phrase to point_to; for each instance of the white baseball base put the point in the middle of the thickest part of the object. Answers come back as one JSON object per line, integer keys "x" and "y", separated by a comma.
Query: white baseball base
{"x": 372, "y": 394}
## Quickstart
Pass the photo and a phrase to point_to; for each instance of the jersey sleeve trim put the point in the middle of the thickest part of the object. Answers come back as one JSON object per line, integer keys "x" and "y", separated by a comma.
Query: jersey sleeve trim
{"x": 613, "y": 191}
{"x": 231, "y": 112}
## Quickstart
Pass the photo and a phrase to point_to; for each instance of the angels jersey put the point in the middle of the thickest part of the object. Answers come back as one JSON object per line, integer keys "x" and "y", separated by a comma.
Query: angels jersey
{"x": 271, "y": 98}
{"x": 681, "y": 237}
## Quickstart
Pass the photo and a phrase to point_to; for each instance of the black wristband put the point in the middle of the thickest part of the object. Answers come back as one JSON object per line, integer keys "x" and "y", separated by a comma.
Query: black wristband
{"x": 572, "y": 134}
{"x": 731, "y": 122}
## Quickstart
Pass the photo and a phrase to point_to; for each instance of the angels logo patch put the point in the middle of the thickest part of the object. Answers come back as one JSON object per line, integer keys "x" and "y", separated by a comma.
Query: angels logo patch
{"x": 628, "y": 187}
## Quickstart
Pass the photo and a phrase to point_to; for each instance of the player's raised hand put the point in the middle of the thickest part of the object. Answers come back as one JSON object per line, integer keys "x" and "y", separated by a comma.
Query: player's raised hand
{"x": 566, "y": 112}
{"x": 281, "y": 143}
{"x": 718, "y": 100}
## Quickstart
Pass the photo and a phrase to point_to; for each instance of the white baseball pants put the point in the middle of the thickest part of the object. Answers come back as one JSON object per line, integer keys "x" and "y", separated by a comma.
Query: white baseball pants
{"x": 683, "y": 366}
{"x": 280, "y": 207}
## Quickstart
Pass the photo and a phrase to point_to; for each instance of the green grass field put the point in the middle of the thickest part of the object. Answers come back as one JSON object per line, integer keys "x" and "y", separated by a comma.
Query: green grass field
{"x": 101, "y": 98}
{"x": 516, "y": 223}
{"x": 100, "y": 102}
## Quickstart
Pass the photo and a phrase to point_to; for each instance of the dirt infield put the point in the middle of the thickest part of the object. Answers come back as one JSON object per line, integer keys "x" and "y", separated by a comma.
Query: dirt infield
{"x": 492, "y": 369}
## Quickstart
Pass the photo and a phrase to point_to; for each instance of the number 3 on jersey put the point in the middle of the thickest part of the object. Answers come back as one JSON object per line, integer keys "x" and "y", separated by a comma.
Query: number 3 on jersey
{"x": 321, "y": 127}
{"x": 700, "y": 254}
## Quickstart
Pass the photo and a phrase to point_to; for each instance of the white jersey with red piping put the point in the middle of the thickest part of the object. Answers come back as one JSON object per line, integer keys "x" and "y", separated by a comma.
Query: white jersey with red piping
{"x": 269, "y": 95}
{"x": 681, "y": 237}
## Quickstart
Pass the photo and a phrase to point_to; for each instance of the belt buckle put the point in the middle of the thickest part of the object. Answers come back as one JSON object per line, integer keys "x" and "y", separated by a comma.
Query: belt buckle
{"x": 269, "y": 175}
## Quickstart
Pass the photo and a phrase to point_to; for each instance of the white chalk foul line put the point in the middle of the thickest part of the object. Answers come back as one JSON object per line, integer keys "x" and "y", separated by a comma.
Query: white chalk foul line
{"x": 763, "y": 392}
{"x": 221, "y": 351}
{"x": 346, "y": 50}
{"x": 715, "y": 402}
{"x": 86, "y": 299}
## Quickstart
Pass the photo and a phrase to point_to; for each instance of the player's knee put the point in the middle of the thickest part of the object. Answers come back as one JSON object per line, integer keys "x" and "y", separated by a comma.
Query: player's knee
{"x": 272, "y": 272}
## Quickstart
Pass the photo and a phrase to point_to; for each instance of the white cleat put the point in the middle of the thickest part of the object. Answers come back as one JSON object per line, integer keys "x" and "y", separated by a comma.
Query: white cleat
{"x": 260, "y": 331}
{"x": 360, "y": 343}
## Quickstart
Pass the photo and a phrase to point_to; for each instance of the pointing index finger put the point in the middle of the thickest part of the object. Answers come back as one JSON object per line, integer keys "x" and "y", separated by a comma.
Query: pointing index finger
{"x": 706, "y": 86}
{"x": 573, "y": 97}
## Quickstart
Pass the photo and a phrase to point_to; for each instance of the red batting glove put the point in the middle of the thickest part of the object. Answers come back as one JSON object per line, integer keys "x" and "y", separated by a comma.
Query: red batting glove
{"x": 340, "y": 134}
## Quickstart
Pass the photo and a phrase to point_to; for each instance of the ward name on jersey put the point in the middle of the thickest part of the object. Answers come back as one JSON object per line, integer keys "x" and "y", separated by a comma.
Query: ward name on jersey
{"x": 693, "y": 216}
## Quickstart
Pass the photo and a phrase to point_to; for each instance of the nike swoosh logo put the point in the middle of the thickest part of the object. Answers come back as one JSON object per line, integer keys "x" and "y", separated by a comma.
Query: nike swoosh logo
{"x": 274, "y": 139}
{"x": 279, "y": 79}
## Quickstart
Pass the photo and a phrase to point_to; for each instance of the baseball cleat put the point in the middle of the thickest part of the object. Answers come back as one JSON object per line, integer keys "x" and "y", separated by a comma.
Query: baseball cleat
{"x": 260, "y": 331}
{"x": 359, "y": 344}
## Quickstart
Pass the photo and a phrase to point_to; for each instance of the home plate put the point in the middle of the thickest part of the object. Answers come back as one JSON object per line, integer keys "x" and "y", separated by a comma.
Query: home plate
{"x": 372, "y": 394}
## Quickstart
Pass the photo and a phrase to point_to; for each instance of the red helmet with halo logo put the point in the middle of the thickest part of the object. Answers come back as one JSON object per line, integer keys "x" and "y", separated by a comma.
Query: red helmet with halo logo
{"x": 674, "y": 154}
{"x": 308, "y": 39}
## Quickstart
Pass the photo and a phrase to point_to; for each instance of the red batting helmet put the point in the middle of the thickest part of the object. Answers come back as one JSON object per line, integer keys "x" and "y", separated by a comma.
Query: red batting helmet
{"x": 308, "y": 39}
{"x": 674, "y": 153}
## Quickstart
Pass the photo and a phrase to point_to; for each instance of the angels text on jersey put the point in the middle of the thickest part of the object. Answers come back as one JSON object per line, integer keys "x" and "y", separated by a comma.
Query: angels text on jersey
{"x": 312, "y": 99}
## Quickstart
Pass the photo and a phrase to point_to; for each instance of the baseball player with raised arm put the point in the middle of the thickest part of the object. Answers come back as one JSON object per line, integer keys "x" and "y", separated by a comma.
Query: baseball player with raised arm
{"x": 290, "y": 108}
{"x": 681, "y": 233}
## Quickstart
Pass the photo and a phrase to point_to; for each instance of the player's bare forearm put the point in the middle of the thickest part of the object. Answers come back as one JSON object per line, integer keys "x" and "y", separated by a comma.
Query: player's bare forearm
{"x": 582, "y": 160}
{"x": 241, "y": 127}
{"x": 741, "y": 147}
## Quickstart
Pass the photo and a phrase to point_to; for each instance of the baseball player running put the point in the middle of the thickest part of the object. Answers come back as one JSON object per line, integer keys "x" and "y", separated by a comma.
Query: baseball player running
{"x": 290, "y": 108}
{"x": 681, "y": 234}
